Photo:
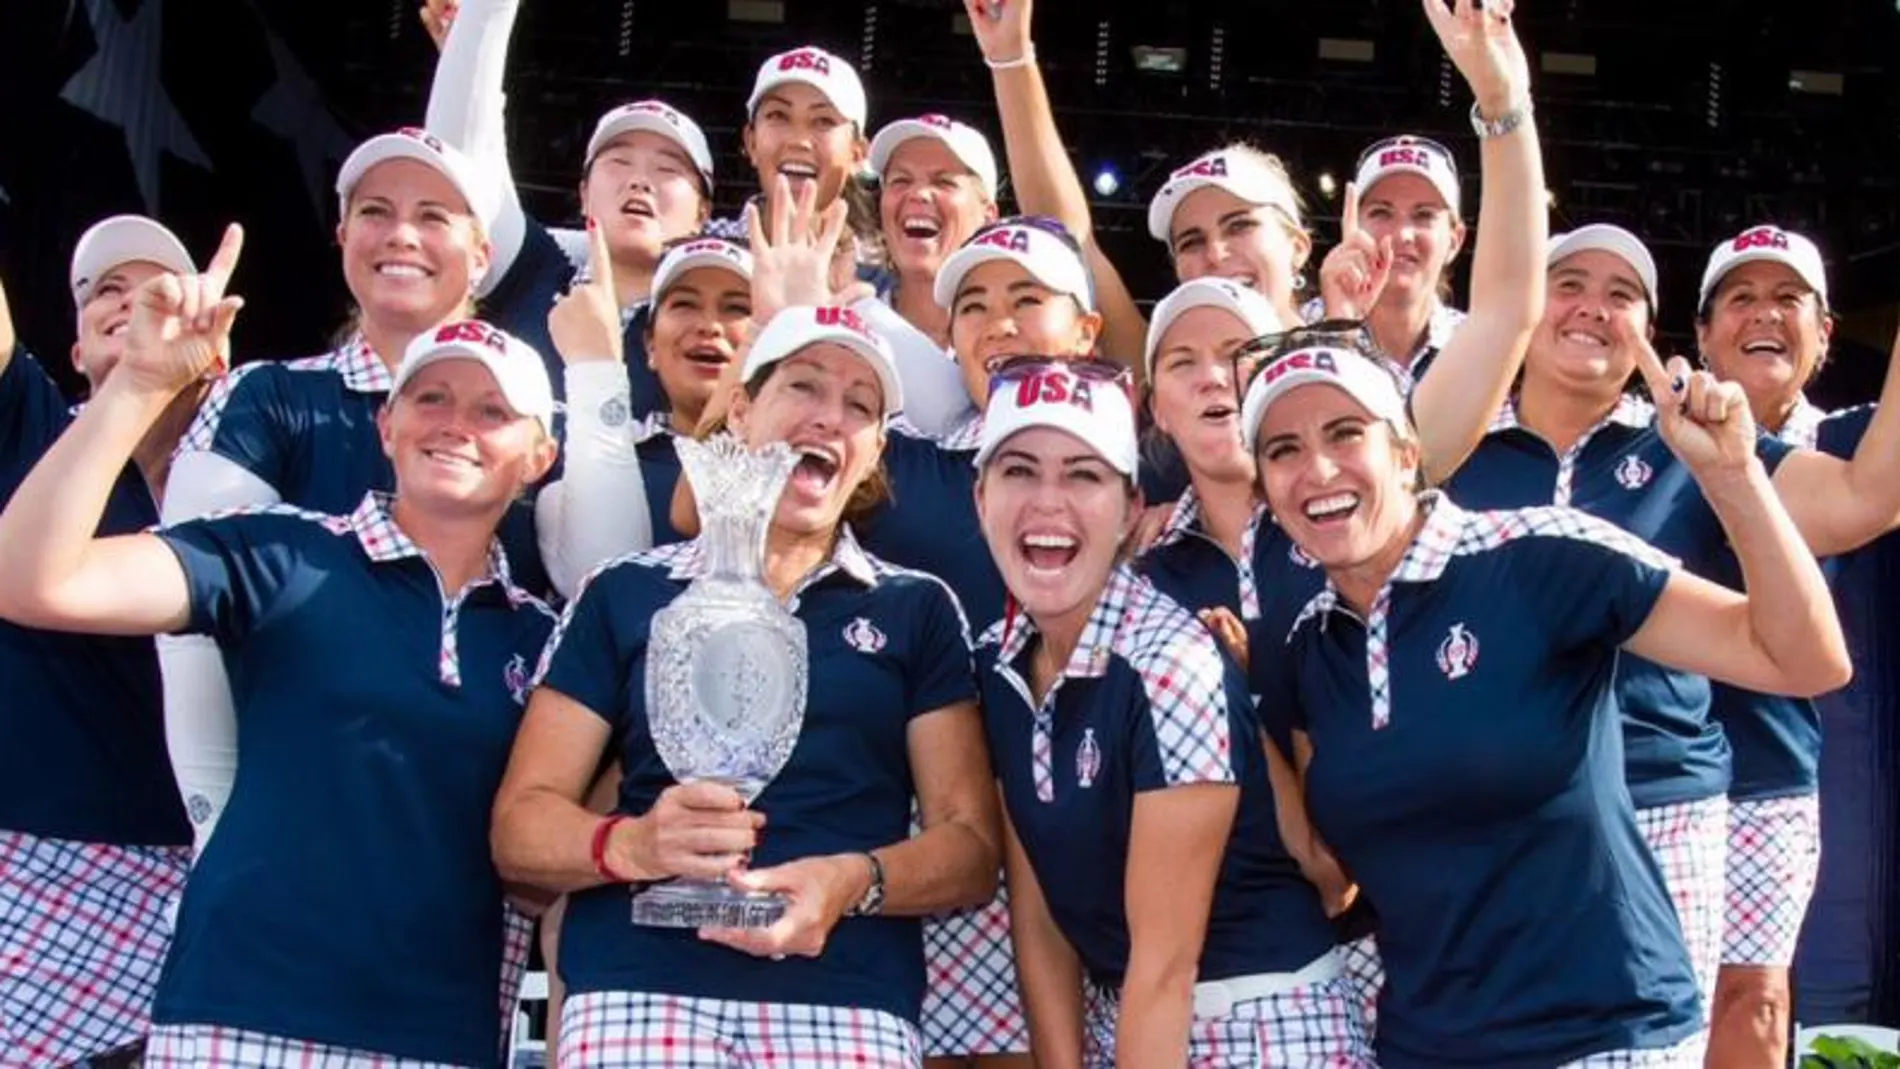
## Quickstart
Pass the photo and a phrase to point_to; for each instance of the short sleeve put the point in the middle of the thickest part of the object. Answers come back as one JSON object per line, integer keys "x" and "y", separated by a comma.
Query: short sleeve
{"x": 242, "y": 420}
{"x": 943, "y": 671}
{"x": 1840, "y": 434}
{"x": 237, "y": 566}
{"x": 32, "y": 414}
{"x": 1593, "y": 585}
{"x": 1189, "y": 734}
{"x": 587, "y": 656}
{"x": 1276, "y": 699}
{"x": 1771, "y": 451}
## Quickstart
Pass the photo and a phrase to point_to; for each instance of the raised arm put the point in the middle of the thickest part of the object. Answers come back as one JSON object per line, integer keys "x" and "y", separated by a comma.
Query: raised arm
{"x": 54, "y": 573}
{"x": 1040, "y": 172}
{"x": 1841, "y": 505}
{"x": 1782, "y": 636}
{"x": 1461, "y": 392}
{"x": 468, "y": 109}
{"x": 8, "y": 339}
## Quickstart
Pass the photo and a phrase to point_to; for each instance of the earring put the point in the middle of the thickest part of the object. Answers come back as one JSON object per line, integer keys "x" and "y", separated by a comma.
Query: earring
{"x": 1299, "y": 280}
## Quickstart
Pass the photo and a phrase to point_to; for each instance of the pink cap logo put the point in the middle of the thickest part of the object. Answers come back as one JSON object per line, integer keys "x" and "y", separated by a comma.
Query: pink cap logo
{"x": 1304, "y": 360}
{"x": 1054, "y": 387}
{"x": 834, "y": 316}
{"x": 1012, "y": 238}
{"x": 941, "y": 122}
{"x": 1408, "y": 156}
{"x": 1207, "y": 167}
{"x": 473, "y": 332}
{"x": 1762, "y": 237}
{"x": 652, "y": 107}
{"x": 713, "y": 245}
{"x": 417, "y": 133}
{"x": 806, "y": 59}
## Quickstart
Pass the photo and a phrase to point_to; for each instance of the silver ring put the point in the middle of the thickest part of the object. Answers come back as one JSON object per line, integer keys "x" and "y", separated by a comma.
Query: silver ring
{"x": 778, "y": 957}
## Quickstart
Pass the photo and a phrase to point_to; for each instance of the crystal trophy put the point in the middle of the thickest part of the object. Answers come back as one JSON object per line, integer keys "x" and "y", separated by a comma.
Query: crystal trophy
{"x": 726, "y": 667}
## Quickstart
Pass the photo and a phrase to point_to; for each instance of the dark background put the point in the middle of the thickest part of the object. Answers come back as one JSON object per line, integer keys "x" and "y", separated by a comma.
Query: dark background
{"x": 200, "y": 111}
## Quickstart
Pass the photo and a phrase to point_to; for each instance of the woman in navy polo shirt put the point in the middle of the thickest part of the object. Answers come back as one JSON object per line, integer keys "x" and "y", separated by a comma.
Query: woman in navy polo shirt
{"x": 1762, "y": 322}
{"x": 357, "y": 837}
{"x": 94, "y": 845}
{"x": 891, "y": 714}
{"x": 413, "y": 235}
{"x": 1142, "y": 847}
{"x": 1522, "y": 921}
{"x": 646, "y": 181}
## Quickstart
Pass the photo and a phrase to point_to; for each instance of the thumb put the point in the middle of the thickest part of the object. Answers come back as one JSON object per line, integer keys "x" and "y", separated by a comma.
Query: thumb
{"x": 761, "y": 880}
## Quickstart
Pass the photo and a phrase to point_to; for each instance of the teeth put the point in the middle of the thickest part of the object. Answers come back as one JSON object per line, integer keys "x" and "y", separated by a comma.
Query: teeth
{"x": 1218, "y": 412}
{"x": 635, "y": 208}
{"x": 798, "y": 170}
{"x": 1764, "y": 347}
{"x": 400, "y": 271}
{"x": 1048, "y": 541}
{"x": 1585, "y": 339}
{"x": 116, "y": 329}
{"x": 450, "y": 458}
{"x": 921, "y": 228}
{"x": 1328, "y": 506}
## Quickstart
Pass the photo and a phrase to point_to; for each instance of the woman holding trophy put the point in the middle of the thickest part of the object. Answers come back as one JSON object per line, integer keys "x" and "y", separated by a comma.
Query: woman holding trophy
{"x": 776, "y": 696}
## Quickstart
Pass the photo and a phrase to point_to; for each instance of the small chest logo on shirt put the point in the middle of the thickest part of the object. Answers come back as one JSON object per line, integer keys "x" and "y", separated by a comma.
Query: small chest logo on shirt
{"x": 1088, "y": 759}
{"x": 863, "y": 636}
{"x": 1633, "y": 472}
{"x": 515, "y": 676}
{"x": 1458, "y": 654}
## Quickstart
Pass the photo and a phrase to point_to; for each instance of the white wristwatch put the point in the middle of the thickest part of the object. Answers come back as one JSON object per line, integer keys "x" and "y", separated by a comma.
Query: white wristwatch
{"x": 1512, "y": 118}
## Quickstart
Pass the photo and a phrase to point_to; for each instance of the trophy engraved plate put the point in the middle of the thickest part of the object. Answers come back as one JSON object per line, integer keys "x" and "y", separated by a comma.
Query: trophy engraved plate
{"x": 726, "y": 668}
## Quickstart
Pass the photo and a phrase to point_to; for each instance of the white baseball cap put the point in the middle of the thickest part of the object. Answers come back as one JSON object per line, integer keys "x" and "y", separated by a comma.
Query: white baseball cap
{"x": 799, "y": 326}
{"x": 1769, "y": 243}
{"x": 1209, "y": 292}
{"x": 654, "y": 117}
{"x": 1036, "y": 247}
{"x": 1238, "y": 172}
{"x": 478, "y": 186}
{"x": 1410, "y": 155}
{"x": 700, "y": 252}
{"x": 969, "y": 145}
{"x": 1053, "y": 395}
{"x": 819, "y": 69}
{"x": 1364, "y": 381}
{"x": 1618, "y": 242}
{"x": 123, "y": 239}
{"x": 519, "y": 371}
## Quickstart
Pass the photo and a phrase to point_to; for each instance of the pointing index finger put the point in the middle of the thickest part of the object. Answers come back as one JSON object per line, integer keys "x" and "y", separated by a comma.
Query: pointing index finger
{"x": 600, "y": 261}
{"x": 1647, "y": 362}
{"x": 1349, "y": 219}
{"x": 224, "y": 261}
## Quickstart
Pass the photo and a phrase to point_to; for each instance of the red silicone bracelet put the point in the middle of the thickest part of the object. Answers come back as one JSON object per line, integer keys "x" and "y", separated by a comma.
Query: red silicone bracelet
{"x": 601, "y": 832}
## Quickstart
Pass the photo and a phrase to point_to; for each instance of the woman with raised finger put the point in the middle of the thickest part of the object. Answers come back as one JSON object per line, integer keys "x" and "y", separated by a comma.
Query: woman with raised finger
{"x": 891, "y": 714}
{"x": 1522, "y": 920}
{"x": 371, "y": 753}
{"x": 1142, "y": 845}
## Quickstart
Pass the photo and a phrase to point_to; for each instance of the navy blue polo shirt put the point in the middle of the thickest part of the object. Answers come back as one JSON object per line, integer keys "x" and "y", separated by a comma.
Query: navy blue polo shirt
{"x": 930, "y": 522}
{"x": 82, "y": 735}
{"x": 1468, "y": 771}
{"x": 885, "y": 645}
{"x": 1195, "y": 571}
{"x": 1147, "y": 702}
{"x": 307, "y": 428}
{"x": 1777, "y": 739}
{"x": 660, "y": 470}
{"x": 1625, "y": 473}
{"x": 521, "y": 301}
{"x": 349, "y": 896}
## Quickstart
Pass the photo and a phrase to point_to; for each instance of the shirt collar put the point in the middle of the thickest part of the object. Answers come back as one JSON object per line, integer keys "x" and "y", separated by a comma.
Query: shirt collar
{"x": 1803, "y": 425}
{"x": 1184, "y": 520}
{"x": 362, "y": 370}
{"x": 1629, "y": 411}
{"x": 965, "y": 437}
{"x": 1089, "y": 660}
{"x": 687, "y": 561}
{"x": 374, "y": 525}
{"x": 1425, "y": 559}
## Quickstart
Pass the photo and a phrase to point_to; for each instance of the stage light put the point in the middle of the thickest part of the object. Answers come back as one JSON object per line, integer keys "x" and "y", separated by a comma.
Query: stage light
{"x": 1328, "y": 185}
{"x": 1107, "y": 182}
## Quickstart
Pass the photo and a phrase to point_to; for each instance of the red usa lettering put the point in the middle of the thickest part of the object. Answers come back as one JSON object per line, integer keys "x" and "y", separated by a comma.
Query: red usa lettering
{"x": 805, "y": 61}
{"x": 1762, "y": 237}
{"x": 1405, "y": 157}
{"x": 473, "y": 332}
{"x": 1012, "y": 238}
{"x": 833, "y": 316}
{"x": 417, "y": 133}
{"x": 1214, "y": 167}
{"x": 708, "y": 245}
{"x": 651, "y": 107}
{"x": 1054, "y": 388}
{"x": 941, "y": 122}
{"x": 1309, "y": 360}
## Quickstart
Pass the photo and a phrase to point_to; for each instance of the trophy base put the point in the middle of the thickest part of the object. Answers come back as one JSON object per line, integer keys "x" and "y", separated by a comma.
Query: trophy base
{"x": 698, "y": 904}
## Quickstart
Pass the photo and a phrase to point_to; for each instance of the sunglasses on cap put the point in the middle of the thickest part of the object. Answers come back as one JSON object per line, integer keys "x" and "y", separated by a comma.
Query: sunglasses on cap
{"x": 1406, "y": 141}
{"x": 1090, "y": 369}
{"x": 1338, "y": 333}
{"x": 1048, "y": 224}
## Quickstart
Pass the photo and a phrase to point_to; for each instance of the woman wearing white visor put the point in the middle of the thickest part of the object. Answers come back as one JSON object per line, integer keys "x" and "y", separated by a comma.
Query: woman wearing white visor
{"x": 646, "y": 181}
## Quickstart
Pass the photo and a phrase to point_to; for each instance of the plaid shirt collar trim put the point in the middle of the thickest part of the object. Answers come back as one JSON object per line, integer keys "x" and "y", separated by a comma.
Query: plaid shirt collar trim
{"x": 374, "y": 525}
{"x": 686, "y": 561}
{"x": 1090, "y": 658}
{"x": 362, "y": 370}
{"x": 1437, "y": 542}
{"x": 1183, "y": 521}
{"x": 1803, "y": 425}
{"x": 965, "y": 437}
{"x": 1629, "y": 411}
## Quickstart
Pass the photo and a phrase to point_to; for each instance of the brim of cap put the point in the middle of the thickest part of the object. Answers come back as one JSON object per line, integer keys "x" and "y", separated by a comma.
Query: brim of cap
{"x": 1714, "y": 282}
{"x": 1439, "y": 183}
{"x": 1260, "y": 399}
{"x": 1618, "y": 243}
{"x": 484, "y": 204}
{"x": 881, "y": 364}
{"x": 888, "y": 139}
{"x": 1070, "y": 421}
{"x": 967, "y": 259}
{"x": 1161, "y": 208}
{"x": 652, "y": 124}
{"x": 803, "y": 77}
{"x": 125, "y": 239}
{"x": 1171, "y": 309}
{"x": 693, "y": 262}
{"x": 533, "y": 408}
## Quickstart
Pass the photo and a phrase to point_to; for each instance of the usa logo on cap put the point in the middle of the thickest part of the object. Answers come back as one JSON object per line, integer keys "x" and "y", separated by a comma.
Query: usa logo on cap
{"x": 1013, "y": 238}
{"x": 1054, "y": 387}
{"x": 417, "y": 133}
{"x": 805, "y": 59}
{"x": 837, "y": 316}
{"x": 1762, "y": 237}
{"x": 473, "y": 332}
